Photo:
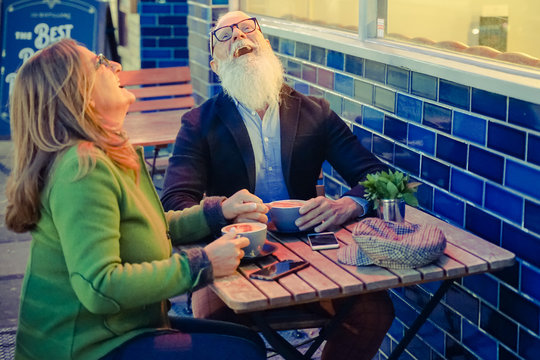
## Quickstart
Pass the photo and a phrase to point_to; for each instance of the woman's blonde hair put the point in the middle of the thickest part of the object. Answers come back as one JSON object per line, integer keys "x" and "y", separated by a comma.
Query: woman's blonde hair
{"x": 51, "y": 111}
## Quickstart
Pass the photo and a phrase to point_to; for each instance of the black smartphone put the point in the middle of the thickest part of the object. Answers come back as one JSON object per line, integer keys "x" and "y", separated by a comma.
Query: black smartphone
{"x": 324, "y": 240}
{"x": 278, "y": 269}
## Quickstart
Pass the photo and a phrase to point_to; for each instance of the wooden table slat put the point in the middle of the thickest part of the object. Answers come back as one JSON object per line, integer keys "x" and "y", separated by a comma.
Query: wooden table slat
{"x": 473, "y": 263}
{"x": 239, "y": 293}
{"x": 272, "y": 289}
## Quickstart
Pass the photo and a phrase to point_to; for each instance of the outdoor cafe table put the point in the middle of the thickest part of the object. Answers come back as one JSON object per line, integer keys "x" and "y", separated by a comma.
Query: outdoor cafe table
{"x": 326, "y": 278}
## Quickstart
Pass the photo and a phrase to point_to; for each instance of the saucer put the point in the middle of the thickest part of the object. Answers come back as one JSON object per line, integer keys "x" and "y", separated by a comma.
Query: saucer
{"x": 267, "y": 249}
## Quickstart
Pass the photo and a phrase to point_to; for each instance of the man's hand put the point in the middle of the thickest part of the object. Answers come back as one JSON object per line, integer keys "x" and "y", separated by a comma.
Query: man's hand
{"x": 225, "y": 253}
{"x": 244, "y": 206}
{"x": 323, "y": 213}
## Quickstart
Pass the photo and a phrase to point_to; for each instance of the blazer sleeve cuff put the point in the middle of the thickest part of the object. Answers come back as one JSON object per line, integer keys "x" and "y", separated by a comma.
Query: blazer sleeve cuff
{"x": 214, "y": 213}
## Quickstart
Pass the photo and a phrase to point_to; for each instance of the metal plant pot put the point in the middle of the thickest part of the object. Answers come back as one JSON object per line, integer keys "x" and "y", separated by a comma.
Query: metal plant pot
{"x": 391, "y": 210}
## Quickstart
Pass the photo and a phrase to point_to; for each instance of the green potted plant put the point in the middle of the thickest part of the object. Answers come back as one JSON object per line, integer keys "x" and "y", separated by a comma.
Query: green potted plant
{"x": 389, "y": 192}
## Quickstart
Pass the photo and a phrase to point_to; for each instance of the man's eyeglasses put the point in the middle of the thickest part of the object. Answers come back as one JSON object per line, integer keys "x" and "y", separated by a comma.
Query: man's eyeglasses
{"x": 224, "y": 33}
{"x": 102, "y": 60}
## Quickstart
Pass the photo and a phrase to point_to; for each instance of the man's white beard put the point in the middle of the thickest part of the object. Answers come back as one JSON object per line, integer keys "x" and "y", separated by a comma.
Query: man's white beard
{"x": 254, "y": 79}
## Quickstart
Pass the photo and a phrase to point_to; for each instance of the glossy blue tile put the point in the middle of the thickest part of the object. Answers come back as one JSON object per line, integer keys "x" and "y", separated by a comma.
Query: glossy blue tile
{"x": 301, "y": 87}
{"x": 335, "y": 59}
{"x": 425, "y": 196}
{"x": 520, "y": 309}
{"x": 506, "y": 139}
{"x": 375, "y": 70}
{"x": 529, "y": 344}
{"x": 318, "y": 55}
{"x": 332, "y": 188}
{"x": 309, "y": 73}
{"x": 530, "y": 278}
{"x": 286, "y": 46}
{"x": 437, "y": 117}
{"x": 407, "y": 160}
{"x": 525, "y": 246}
{"x": 418, "y": 349}
{"x": 455, "y": 350}
{"x": 454, "y": 94}
{"x": 409, "y": 108}
{"x": 481, "y": 344}
{"x": 373, "y": 119}
{"x": 466, "y": 185}
{"x": 488, "y": 103}
{"x": 449, "y": 207}
{"x": 509, "y": 275}
{"x": 352, "y": 110}
{"x": 524, "y": 113}
{"x": 327, "y": 168}
{"x": 424, "y": 85}
{"x": 484, "y": 287}
{"x": 302, "y": 50}
{"x": 344, "y": 84}
{"x": 533, "y": 150}
{"x": 450, "y": 150}
{"x": 383, "y": 148}
{"x": 384, "y": 99}
{"x": 363, "y": 136}
{"x": 433, "y": 336}
{"x": 523, "y": 178}
{"x": 532, "y": 216}
{"x": 354, "y": 65}
{"x": 464, "y": 303}
{"x": 484, "y": 225}
{"x": 274, "y": 42}
{"x": 396, "y": 129}
{"x": 294, "y": 68}
{"x": 506, "y": 354}
{"x": 397, "y": 77}
{"x": 335, "y": 102}
{"x": 404, "y": 311}
{"x": 486, "y": 164}
{"x": 447, "y": 319}
{"x": 422, "y": 139}
{"x": 435, "y": 172}
{"x": 504, "y": 203}
{"x": 469, "y": 127}
{"x": 499, "y": 326}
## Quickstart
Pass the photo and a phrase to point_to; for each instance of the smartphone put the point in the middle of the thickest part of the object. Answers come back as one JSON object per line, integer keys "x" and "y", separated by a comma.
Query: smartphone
{"x": 324, "y": 240}
{"x": 278, "y": 269}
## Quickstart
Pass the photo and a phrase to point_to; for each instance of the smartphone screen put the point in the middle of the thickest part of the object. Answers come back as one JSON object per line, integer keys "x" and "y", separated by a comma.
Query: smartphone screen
{"x": 321, "y": 241}
{"x": 278, "y": 269}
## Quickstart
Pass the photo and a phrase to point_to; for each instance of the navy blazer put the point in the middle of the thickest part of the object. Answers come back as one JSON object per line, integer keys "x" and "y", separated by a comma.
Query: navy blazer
{"x": 212, "y": 154}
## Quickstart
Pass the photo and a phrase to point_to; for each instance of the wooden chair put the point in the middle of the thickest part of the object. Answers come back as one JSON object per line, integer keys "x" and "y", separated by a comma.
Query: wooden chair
{"x": 159, "y": 90}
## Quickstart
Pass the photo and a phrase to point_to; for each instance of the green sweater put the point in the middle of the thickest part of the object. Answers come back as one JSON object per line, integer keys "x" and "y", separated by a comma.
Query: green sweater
{"x": 101, "y": 265}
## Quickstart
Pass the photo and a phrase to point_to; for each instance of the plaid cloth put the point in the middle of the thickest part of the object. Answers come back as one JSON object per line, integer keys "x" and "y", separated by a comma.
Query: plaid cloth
{"x": 393, "y": 245}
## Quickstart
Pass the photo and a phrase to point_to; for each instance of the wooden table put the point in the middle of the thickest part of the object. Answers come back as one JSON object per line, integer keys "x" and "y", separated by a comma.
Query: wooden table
{"x": 465, "y": 254}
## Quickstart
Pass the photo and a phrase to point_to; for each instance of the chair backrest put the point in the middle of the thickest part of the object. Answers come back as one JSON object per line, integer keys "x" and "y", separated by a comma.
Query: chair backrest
{"x": 159, "y": 89}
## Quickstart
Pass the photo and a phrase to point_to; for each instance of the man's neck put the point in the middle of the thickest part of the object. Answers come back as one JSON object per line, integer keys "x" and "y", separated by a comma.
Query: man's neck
{"x": 262, "y": 112}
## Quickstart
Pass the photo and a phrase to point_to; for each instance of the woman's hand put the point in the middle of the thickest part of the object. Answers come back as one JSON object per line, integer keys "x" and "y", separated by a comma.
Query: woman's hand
{"x": 225, "y": 253}
{"x": 244, "y": 206}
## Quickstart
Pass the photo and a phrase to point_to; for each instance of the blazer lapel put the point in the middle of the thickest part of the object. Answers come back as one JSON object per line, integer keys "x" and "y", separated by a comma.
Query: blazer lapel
{"x": 289, "y": 115}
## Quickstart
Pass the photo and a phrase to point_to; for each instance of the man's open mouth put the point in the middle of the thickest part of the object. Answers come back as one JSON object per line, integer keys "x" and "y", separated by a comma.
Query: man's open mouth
{"x": 243, "y": 50}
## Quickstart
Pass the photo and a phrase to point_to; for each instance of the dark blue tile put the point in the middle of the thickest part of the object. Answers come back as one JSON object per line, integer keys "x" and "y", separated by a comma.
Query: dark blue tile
{"x": 504, "y": 203}
{"x": 529, "y": 344}
{"x": 398, "y": 78}
{"x": 327, "y": 168}
{"x": 373, "y": 119}
{"x": 416, "y": 296}
{"x": 532, "y": 216}
{"x": 318, "y": 55}
{"x": 466, "y": 185}
{"x": 524, "y": 113}
{"x": 409, "y": 108}
{"x": 354, "y": 65}
{"x": 437, "y": 117}
{"x": 518, "y": 308}
{"x": 418, "y": 349}
{"x": 481, "y": 344}
{"x": 301, "y": 87}
{"x": 422, "y": 139}
{"x": 404, "y": 311}
{"x": 486, "y": 164}
{"x": 294, "y": 68}
{"x": 384, "y": 99}
{"x": 530, "y": 278}
{"x": 335, "y": 59}
{"x": 523, "y": 178}
{"x": 344, "y": 84}
{"x": 375, "y": 71}
{"x": 435, "y": 172}
{"x": 302, "y": 50}
{"x": 425, "y": 196}
{"x": 484, "y": 287}
{"x": 484, "y": 225}
{"x": 407, "y": 160}
{"x": 469, "y": 127}
{"x": 396, "y": 129}
{"x": 509, "y": 275}
{"x": 449, "y": 207}
{"x": 352, "y": 110}
{"x": 506, "y": 139}
{"x": 533, "y": 151}
{"x": 286, "y": 47}
{"x": 383, "y": 148}
{"x": 450, "y": 150}
{"x": 447, "y": 319}
{"x": 424, "y": 85}
{"x": 363, "y": 136}
{"x": 499, "y": 326}
{"x": 506, "y": 354}
{"x": 456, "y": 351}
{"x": 309, "y": 73}
{"x": 433, "y": 336}
{"x": 525, "y": 246}
{"x": 488, "y": 103}
{"x": 454, "y": 94}
{"x": 332, "y": 188}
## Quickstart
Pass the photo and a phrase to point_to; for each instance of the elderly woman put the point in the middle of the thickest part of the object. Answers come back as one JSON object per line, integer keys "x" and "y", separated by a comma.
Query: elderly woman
{"x": 101, "y": 268}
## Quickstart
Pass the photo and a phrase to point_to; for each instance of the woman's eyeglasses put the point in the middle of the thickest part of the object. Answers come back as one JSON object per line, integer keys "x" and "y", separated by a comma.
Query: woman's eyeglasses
{"x": 224, "y": 33}
{"x": 102, "y": 60}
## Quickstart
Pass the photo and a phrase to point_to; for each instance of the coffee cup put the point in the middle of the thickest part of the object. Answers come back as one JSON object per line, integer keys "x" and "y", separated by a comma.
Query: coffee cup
{"x": 284, "y": 213}
{"x": 255, "y": 232}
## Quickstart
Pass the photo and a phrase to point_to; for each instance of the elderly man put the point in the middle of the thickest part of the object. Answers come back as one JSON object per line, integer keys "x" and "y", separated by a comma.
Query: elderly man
{"x": 261, "y": 135}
